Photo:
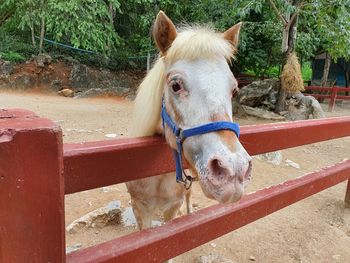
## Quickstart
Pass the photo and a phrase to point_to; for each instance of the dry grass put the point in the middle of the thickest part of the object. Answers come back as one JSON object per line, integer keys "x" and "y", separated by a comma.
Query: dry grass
{"x": 291, "y": 78}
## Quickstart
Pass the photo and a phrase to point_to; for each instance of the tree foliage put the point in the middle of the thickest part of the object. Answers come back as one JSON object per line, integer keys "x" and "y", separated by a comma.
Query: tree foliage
{"x": 83, "y": 23}
{"x": 122, "y": 28}
{"x": 333, "y": 26}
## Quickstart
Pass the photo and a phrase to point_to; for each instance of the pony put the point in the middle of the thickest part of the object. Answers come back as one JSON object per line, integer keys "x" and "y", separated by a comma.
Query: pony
{"x": 193, "y": 80}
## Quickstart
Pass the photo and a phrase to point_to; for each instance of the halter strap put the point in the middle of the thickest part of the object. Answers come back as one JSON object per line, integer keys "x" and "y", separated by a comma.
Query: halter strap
{"x": 181, "y": 135}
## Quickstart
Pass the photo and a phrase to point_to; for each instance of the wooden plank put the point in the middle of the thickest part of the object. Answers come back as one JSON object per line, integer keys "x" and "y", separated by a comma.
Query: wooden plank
{"x": 331, "y": 104}
{"x": 16, "y": 113}
{"x": 318, "y": 88}
{"x": 31, "y": 189}
{"x": 343, "y": 97}
{"x": 96, "y": 164}
{"x": 181, "y": 234}
{"x": 341, "y": 89}
{"x": 347, "y": 195}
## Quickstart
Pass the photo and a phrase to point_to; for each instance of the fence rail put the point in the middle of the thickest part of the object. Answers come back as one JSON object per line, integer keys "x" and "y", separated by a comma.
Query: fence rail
{"x": 96, "y": 164}
{"x": 37, "y": 169}
{"x": 181, "y": 235}
{"x": 333, "y": 96}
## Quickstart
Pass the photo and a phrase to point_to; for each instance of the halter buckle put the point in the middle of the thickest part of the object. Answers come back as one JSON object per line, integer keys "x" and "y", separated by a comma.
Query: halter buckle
{"x": 179, "y": 137}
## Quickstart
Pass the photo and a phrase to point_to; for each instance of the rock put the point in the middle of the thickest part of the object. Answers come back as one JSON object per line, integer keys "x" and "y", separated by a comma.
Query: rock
{"x": 111, "y": 135}
{"x": 273, "y": 95}
{"x": 66, "y": 93}
{"x": 42, "y": 60}
{"x": 213, "y": 245}
{"x": 24, "y": 82}
{"x": 336, "y": 257}
{"x": 78, "y": 130}
{"x": 56, "y": 85}
{"x": 46, "y": 78}
{"x": 105, "y": 189}
{"x": 121, "y": 91}
{"x": 258, "y": 93}
{"x": 88, "y": 82}
{"x": 107, "y": 215}
{"x": 274, "y": 158}
{"x": 128, "y": 217}
{"x": 80, "y": 77}
{"x": 59, "y": 121}
{"x": 261, "y": 113}
{"x": 213, "y": 258}
{"x": 156, "y": 223}
{"x": 6, "y": 68}
{"x": 113, "y": 91}
{"x": 252, "y": 258}
{"x": 293, "y": 164}
{"x": 68, "y": 59}
{"x": 73, "y": 248}
{"x": 301, "y": 107}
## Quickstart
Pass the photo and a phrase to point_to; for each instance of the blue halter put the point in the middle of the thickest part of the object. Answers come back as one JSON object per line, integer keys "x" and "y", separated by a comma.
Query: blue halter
{"x": 181, "y": 135}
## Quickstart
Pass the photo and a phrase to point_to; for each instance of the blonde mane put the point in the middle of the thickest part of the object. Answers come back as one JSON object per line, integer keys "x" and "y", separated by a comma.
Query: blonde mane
{"x": 191, "y": 43}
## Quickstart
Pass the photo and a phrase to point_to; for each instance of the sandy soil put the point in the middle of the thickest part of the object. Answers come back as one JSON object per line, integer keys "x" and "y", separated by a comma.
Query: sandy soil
{"x": 314, "y": 230}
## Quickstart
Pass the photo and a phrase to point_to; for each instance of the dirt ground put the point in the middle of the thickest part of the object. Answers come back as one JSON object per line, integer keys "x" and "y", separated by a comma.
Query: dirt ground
{"x": 314, "y": 230}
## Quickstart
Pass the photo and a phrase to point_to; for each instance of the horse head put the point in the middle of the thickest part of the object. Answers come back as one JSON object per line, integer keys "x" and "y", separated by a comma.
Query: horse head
{"x": 196, "y": 86}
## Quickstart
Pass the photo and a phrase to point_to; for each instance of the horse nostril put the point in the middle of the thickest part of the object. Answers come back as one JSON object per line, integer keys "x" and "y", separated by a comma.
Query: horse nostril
{"x": 248, "y": 173}
{"x": 249, "y": 170}
{"x": 217, "y": 168}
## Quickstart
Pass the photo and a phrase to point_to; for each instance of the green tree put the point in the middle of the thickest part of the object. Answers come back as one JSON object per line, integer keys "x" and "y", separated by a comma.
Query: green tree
{"x": 28, "y": 14}
{"x": 83, "y": 23}
{"x": 321, "y": 24}
{"x": 333, "y": 28}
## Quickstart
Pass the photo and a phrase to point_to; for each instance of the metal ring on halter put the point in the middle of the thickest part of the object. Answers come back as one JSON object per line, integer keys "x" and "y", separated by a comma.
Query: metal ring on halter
{"x": 187, "y": 182}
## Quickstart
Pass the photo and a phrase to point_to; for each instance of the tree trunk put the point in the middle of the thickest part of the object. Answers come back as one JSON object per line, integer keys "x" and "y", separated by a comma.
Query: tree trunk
{"x": 112, "y": 13}
{"x": 285, "y": 35}
{"x": 33, "y": 34}
{"x": 111, "y": 21}
{"x": 327, "y": 64}
{"x": 42, "y": 34}
{"x": 288, "y": 43}
{"x": 280, "y": 104}
{"x": 5, "y": 17}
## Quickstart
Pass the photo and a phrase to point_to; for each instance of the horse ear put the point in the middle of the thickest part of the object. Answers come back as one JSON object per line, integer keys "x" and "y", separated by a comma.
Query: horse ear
{"x": 164, "y": 32}
{"x": 232, "y": 34}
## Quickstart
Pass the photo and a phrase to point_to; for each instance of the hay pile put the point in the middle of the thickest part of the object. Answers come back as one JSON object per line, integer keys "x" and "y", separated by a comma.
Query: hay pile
{"x": 291, "y": 79}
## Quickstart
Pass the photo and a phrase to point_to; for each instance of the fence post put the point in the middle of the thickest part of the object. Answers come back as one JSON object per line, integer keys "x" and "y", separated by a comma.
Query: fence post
{"x": 347, "y": 195}
{"x": 333, "y": 98}
{"x": 31, "y": 189}
{"x": 148, "y": 62}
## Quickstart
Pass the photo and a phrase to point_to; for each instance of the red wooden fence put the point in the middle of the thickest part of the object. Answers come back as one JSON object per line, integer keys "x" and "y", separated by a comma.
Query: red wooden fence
{"x": 333, "y": 96}
{"x": 36, "y": 170}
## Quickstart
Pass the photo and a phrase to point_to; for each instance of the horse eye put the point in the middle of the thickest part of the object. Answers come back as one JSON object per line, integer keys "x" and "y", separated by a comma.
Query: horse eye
{"x": 175, "y": 87}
